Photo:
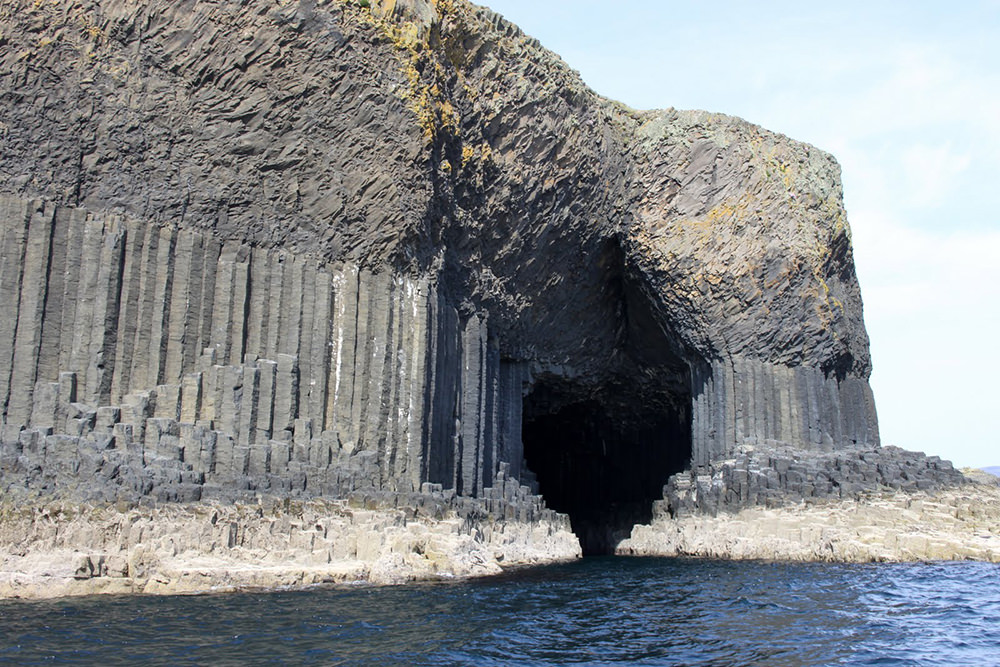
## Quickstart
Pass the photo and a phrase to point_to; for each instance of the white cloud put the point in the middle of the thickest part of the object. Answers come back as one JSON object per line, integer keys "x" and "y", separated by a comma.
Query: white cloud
{"x": 932, "y": 173}
{"x": 932, "y": 308}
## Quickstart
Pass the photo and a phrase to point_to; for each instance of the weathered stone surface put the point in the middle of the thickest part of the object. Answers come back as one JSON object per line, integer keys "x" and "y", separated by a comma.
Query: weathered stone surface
{"x": 960, "y": 523}
{"x": 774, "y": 475}
{"x": 444, "y": 140}
{"x": 316, "y": 249}
{"x": 55, "y": 550}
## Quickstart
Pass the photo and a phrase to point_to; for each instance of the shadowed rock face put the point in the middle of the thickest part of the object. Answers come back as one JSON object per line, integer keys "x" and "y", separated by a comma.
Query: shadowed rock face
{"x": 405, "y": 231}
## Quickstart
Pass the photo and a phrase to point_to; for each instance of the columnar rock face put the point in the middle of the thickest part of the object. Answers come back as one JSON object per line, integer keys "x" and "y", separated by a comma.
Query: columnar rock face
{"x": 310, "y": 247}
{"x": 238, "y": 362}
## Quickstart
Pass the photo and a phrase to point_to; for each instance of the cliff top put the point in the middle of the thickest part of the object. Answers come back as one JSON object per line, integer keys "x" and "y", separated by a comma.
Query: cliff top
{"x": 435, "y": 136}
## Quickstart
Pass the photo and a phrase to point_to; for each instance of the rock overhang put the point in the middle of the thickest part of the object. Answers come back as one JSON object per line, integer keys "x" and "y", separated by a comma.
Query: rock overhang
{"x": 475, "y": 226}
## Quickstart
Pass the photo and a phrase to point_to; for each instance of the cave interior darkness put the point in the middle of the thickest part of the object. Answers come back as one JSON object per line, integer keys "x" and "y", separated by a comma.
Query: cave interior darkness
{"x": 602, "y": 447}
{"x": 600, "y": 464}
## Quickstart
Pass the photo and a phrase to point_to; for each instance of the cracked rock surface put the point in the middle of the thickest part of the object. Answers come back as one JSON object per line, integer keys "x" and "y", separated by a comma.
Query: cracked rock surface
{"x": 396, "y": 249}
{"x": 435, "y": 136}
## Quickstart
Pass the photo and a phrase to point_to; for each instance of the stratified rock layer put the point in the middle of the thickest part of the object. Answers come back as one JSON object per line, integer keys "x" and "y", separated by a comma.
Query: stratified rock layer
{"x": 317, "y": 248}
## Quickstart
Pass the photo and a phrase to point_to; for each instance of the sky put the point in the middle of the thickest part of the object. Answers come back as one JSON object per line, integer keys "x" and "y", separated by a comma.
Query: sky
{"x": 906, "y": 96}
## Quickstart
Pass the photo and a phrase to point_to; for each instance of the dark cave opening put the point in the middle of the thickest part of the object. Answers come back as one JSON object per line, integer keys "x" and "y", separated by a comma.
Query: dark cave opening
{"x": 601, "y": 464}
{"x": 604, "y": 433}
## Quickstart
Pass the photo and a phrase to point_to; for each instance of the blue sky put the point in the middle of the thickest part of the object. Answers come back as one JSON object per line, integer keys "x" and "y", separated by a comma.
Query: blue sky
{"x": 906, "y": 95}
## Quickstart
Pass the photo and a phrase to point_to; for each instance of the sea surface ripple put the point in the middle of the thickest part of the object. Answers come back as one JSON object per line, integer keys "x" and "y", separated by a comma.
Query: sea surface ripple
{"x": 599, "y": 611}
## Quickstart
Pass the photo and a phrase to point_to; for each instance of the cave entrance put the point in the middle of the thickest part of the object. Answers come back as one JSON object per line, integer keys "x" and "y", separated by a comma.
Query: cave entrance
{"x": 604, "y": 459}
{"x": 605, "y": 428}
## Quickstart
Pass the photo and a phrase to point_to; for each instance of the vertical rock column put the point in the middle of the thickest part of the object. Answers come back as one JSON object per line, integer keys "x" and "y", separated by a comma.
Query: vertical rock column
{"x": 29, "y": 315}
{"x": 416, "y": 359}
{"x": 713, "y": 410}
{"x": 370, "y": 410}
{"x": 182, "y": 322}
{"x": 470, "y": 442}
{"x": 396, "y": 388}
{"x": 515, "y": 377}
{"x": 129, "y": 307}
{"x": 101, "y": 318}
{"x": 61, "y": 296}
{"x": 247, "y": 350}
{"x": 747, "y": 400}
{"x": 441, "y": 424}
{"x": 343, "y": 341}
{"x": 14, "y": 216}
{"x": 316, "y": 377}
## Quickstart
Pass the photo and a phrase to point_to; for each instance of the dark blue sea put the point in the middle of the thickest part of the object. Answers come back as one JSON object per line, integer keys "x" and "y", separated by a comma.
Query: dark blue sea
{"x": 598, "y": 611}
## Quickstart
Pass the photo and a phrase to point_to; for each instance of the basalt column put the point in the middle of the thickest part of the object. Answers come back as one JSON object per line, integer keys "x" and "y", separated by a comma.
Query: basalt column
{"x": 213, "y": 368}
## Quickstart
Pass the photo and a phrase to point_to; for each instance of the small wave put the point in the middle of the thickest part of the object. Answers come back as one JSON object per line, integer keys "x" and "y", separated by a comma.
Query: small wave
{"x": 595, "y": 612}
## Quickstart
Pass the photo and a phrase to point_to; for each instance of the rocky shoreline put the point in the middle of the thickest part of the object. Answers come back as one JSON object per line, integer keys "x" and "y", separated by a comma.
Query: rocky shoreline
{"x": 64, "y": 549}
{"x": 253, "y": 335}
{"x": 67, "y": 549}
{"x": 957, "y": 523}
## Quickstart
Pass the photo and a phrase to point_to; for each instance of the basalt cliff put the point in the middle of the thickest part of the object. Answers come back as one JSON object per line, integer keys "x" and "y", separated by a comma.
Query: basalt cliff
{"x": 395, "y": 255}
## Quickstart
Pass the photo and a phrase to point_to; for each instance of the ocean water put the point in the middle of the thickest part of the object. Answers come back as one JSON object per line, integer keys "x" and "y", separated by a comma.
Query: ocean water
{"x": 598, "y": 611}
